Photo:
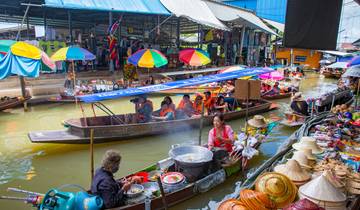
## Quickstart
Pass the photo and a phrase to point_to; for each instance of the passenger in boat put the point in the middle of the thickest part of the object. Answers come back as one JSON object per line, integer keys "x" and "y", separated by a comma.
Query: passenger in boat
{"x": 222, "y": 135}
{"x": 104, "y": 184}
{"x": 164, "y": 113}
{"x": 169, "y": 102}
{"x": 265, "y": 87}
{"x": 220, "y": 105}
{"x": 197, "y": 105}
{"x": 299, "y": 105}
{"x": 150, "y": 81}
{"x": 229, "y": 88}
{"x": 143, "y": 108}
{"x": 186, "y": 106}
{"x": 209, "y": 102}
{"x": 274, "y": 90}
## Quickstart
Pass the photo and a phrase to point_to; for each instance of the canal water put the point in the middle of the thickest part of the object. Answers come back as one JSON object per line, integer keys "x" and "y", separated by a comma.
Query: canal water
{"x": 40, "y": 167}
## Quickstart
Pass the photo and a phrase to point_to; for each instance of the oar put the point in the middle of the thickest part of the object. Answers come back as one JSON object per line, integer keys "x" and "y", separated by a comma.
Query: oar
{"x": 162, "y": 192}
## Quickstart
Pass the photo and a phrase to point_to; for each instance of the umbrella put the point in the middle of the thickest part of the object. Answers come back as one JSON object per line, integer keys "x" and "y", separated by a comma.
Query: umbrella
{"x": 354, "y": 61}
{"x": 275, "y": 75}
{"x": 353, "y": 71}
{"x": 25, "y": 50}
{"x": 148, "y": 58}
{"x": 194, "y": 57}
{"x": 22, "y": 59}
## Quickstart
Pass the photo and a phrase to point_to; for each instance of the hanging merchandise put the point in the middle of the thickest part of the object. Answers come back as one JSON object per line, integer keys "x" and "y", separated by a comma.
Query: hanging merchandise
{"x": 112, "y": 41}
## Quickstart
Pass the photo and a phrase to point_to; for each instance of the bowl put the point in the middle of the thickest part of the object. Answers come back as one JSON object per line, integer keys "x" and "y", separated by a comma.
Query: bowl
{"x": 135, "y": 190}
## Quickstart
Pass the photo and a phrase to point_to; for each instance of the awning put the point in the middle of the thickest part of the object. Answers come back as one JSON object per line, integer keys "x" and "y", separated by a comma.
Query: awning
{"x": 233, "y": 14}
{"x": 277, "y": 25}
{"x": 336, "y": 53}
{"x": 175, "y": 73}
{"x": 131, "y": 6}
{"x": 194, "y": 10}
{"x": 338, "y": 65}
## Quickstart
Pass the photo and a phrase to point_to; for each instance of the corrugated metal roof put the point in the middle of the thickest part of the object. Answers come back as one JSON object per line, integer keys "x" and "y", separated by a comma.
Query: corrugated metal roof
{"x": 131, "y": 6}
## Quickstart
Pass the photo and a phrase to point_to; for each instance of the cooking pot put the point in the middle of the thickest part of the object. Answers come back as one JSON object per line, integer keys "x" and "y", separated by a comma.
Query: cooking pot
{"x": 191, "y": 156}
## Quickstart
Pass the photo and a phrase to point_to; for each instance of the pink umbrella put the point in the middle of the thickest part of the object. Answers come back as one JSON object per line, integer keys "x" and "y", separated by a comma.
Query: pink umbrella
{"x": 275, "y": 75}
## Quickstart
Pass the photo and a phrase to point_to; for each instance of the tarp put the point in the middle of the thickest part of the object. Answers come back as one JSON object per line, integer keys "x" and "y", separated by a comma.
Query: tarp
{"x": 171, "y": 85}
{"x": 174, "y": 73}
{"x": 229, "y": 13}
{"x": 336, "y": 53}
{"x": 277, "y": 25}
{"x": 338, "y": 65}
{"x": 131, "y": 6}
{"x": 194, "y": 10}
{"x": 22, "y": 66}
{"x": 353, "y": 71}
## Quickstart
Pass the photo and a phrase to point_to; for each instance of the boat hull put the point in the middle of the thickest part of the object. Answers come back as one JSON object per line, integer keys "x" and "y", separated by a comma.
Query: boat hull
{"x": 11, "y": 103}
{"x": 279, "y": 96}
{"x": 79, "y": 129}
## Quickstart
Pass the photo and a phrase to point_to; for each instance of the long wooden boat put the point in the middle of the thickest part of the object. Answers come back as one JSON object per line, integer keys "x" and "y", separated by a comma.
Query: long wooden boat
{"x": 278, "y": 96}
{"x": 108, "y": 128}
{"x": 13, "y": 102}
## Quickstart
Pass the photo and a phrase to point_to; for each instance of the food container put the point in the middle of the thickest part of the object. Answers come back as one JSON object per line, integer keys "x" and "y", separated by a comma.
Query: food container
{"x": 135, "y": 191}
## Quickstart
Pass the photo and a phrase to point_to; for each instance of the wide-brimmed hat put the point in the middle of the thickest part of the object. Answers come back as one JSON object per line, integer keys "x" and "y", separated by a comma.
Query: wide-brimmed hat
{"x": 231, "y": 204}
{"x": 301, "y": 158}
{"x": 320, "y": 189}
{"x": 308, "y": 143}
{"x": 256, "y": 200}
{"x": 308, "y": 153}
{"x": 258, "y": 121}
{"x": 304, "y": 204}
{"x": 293, "y": 171}
{"x": 297, "y": 97}
{"x": 278, "y": 187}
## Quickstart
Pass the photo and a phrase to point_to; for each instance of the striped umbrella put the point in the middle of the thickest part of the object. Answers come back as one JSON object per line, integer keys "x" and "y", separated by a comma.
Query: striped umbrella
{"x": 72, "y": 53}
{"x": 194, "y": 57}
{"x": 148, "y": 58}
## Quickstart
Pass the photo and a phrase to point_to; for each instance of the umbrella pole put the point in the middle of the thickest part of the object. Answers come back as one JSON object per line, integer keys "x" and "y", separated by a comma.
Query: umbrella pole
{"x": 23, "y": 91}
{"x": 74, "y": 78}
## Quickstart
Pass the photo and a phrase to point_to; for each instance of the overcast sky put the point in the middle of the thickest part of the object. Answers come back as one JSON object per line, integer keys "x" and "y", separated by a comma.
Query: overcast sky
{"x": 350, "y": 22}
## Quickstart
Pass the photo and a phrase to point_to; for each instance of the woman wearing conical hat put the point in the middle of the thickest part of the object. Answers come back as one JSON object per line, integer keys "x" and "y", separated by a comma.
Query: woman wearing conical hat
{"x": 299, "y": 105}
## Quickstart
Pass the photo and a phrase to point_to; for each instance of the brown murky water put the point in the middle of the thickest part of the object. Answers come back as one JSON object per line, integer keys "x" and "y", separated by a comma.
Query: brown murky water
{"x": 39, "y": 167}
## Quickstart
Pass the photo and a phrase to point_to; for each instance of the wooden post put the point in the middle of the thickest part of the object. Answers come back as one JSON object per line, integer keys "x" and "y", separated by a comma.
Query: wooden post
{"x": 247, "y": 112}
{"x": 178, "y": 33}
{"x": 163, "y": 197}
{"x": 201, "y": 122}
{"x": 92, "y": 154}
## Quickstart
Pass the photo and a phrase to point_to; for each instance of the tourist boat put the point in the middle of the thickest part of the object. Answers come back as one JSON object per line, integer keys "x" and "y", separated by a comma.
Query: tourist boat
{"x": 13, "y": 102}
{"x": 278, "y": 96}
{"x": 114, "y": 128}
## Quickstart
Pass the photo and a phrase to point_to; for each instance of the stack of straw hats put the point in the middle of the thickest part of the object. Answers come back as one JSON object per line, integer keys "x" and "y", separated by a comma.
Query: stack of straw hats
{"x": 302, "y": 159}
{"x": 308, "y": 143}
{"x": 304, "y": 204}
{"x": 256, "y": 200}
{"x": 323, "y": 193}
{"x": 339, "y": 171}
{"x": 294, "y": 172}
{"x": 353, "y": 184}
{"x": 231, "y": 204}
{"x": 280, "y": 189}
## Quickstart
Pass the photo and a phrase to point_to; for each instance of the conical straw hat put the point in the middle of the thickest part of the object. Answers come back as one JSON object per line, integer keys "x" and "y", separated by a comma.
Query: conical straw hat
{"x": 304, "y": 204}
{"x": 232, "y": 204}
{"x": 326, "y": 204}
{"x": 278, "y": 187}
{"x": 308, "y": 143}
{"x": 331, "y": 177}
{"x": 293, "y": 171}
{"x": 301, "y": 158}
{"x": 256, "y": 200}
{"x": 308, "y": 153}
{"x": 321, "y": 189}
{"x": 258, "y": 121}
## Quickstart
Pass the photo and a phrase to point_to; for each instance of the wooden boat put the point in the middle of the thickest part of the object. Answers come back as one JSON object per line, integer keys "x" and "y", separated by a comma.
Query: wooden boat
{"x": 293, "y": 120}
{"x": 278, "y": 96}
{"x": 13, "y": 102}
{"x": 327, "y": 74}
{"x": 113, "y": 128}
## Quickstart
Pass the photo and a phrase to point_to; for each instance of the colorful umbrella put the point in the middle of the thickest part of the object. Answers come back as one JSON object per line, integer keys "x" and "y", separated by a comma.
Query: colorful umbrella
{"x": 275, "y": 75}
{"x": 194, "y": 57}
{"x": 25, "y": 50}
{"x": 148, "y": 58}
{"x": 72, "y": 53}
{"x": 354, "y": 61}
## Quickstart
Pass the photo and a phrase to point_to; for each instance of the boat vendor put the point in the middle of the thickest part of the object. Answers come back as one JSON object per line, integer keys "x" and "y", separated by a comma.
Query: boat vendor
{"x": 222, "y": 135}
{"x": 186, "y": 106}
{"x": 257, "y": 125}
{"x": 209, "y": 102}
{"x": 164, "y": 113}
{"x": 104, "y": 184}
{"x": 143, "y": 109}
{"x": 299, "y": 105}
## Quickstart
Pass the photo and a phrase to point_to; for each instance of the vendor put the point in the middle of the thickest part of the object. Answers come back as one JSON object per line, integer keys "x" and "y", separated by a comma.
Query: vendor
{"x": 164, "y": 113}
{"x": 104, "y": 184}
{"x": 257, "y": 125}
{"x": 222, "y": 135}
{"x": 299, "y": 105}
{"x": 143, "y": 109}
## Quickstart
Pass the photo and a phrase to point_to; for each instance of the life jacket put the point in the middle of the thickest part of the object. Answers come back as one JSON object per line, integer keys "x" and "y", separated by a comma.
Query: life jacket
{"x": 218, "y": 143}
{"x": 209, "y": 103}
{"x": 164, "y": 112}
{"x": 183, "y": 104}
{"x": 197, "y": 108}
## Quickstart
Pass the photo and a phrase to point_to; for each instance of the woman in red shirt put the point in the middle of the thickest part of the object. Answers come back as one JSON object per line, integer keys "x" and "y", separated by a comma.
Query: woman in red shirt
{"x": 222, "y": 135}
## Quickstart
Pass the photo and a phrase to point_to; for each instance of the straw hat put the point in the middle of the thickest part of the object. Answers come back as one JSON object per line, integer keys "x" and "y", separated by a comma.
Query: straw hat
{"x": 308, "y": 143}
{"x": 308, "y": 153}
{"x": 304, "y": 204}
{"x": 231, "y": 204}
{"x": 279, "y": 188}
{"x": 301, "y": 158}
{"x": 256, "y": 200}
{"x": 320, "y": 189}
{"x": 293, "y": 171}
{"x": 258, "y": 121}
{"x": 297, "y": 97}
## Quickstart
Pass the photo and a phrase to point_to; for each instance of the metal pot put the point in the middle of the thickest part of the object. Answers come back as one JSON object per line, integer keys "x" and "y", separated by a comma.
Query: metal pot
{"x": 191, "y": 156}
